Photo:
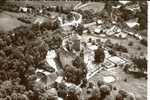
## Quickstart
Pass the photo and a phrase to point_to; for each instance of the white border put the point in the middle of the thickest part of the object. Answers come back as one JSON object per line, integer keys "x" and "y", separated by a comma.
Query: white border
{"x": 148, "y": 87}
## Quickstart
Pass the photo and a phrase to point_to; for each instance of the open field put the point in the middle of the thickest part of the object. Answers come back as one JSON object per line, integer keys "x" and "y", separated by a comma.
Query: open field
{"x": 65, "y": 4}
{"x": 8, "y": 22}
{"x": 132, "y": 50}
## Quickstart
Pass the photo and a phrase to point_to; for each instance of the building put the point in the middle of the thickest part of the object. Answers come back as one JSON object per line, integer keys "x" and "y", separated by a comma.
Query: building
{"x": 65, "y": 57}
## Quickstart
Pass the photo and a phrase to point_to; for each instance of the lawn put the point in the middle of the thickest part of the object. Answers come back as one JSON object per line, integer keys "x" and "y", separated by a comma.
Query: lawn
{"x": 8, "y": 22}
{"x": 65, "y": 4}
{"x": 132, "y": 50}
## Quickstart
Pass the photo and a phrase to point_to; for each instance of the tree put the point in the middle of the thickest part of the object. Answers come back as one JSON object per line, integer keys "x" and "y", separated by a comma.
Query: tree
{"x": 78, "y": 62}
{"x": 70, "y": 71}
{"x": 50, "y": 94}
{"x": 119, "y": 47}
{"x": 2, "y": 2}
{"x": 130, "y": 43}
{"x": 90, "y": 40}
{"x": 57, "y": 9}
{"x": 80, "y": 29}
{"x": 142, "y": 15}
{"x": 140, "y": 63}
{"x": 99, "y": 55}
{"x": 62, "y": 90}
{"x": 55, "y": 25}
{"x": 94, "y": 94}
{"x": 112, "y": 52}
{"x": 69, "y": 16}
{"x": 54, "y": 42}
{"x": 20, "y": 54}
{"x": 119, "y": 97}
{"x": 104, "y": 91}
{"x": 71, "y": 94}
{"x": 61, "y": 9}
{"x": 143, "y": 42}
{"x": 100, "y": 83}
{"x": 77, "y": 71}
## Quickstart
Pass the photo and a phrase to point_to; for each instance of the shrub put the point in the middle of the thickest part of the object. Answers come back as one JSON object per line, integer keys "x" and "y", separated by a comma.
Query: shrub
{"x": 143, "y": 42}
{"x": 99, "y": 55}
{"x": 24, "y": 20}
{"x": 130, "y": 43}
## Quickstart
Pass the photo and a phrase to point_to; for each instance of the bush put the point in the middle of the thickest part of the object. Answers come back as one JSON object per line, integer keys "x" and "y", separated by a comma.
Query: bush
{"x": 90, "y": 40}
{"x": 112, "y": 52}
{"x": 100, "y": 83}
{"x": 130, "y": 43}
{"x": 139, "y": 48}
{"x": 77, "y": 71}
{"x": 99, "y": 55}
{"x": 140, "y": 63}
{"x": 143, "y": 42}
{"x": 120, "y": 48}
{"x": 24, "y": 20}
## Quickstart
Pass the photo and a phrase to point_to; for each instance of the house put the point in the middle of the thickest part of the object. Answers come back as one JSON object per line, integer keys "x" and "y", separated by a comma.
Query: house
{"x": 97, "y": 30}
{"x": 121, "y": 35}
{"x": 23, "y": 9}
{"x": 133, "y": 7}
{"x": 65, "y": 57}
{"x": 51, "y": 55}
{"x": 76, "y": 42}
{"x": 99, "y": 21}
{"x": 108, "y": 64}
{"x": 132, "y": 23}
{"x": 39, "y": 20}
{"x": 116, "y": 60}
{"x": 44, "y": 77}
{"x": 124, "y": 2}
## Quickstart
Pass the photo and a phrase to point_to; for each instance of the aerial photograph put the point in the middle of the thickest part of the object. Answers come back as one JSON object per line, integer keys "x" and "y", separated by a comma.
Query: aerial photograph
{"x": 73, "y": 50}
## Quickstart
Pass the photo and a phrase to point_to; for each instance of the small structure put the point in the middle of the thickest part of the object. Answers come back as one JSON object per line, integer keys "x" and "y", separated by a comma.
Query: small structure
{"x": 66, "y": 57}
{"x": 97, "y": 30}
{"x": 51, "y": 55}
{"x": 124, "y": 2}
{"x": 116, "y": 60}
{"x": 59, "y": 79}
{"x": 93, "y": 47}
{"x": 121, "y": 35}
{"x": 108, "y": 64}
{"x": 108, "y": 79}
{"x": 39, "y": 21}
{"x": 134, "y": 7}
{"x": 132, "y": 23}
{"x": 99, "y": 21}
{"x": 23, "y": 9}
{"x": 76, "y": 42}
{"x": 44, "y": 77}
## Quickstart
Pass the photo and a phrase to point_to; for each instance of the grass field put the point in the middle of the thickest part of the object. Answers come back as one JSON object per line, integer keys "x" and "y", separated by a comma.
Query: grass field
{"x": 132, "y": 50}
{"x": 65, "y": 4}
{"x": 8, "y": 22}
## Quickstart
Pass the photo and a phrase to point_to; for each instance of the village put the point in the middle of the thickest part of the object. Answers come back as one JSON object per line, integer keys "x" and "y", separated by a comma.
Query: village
{"x": 73, "y": 50}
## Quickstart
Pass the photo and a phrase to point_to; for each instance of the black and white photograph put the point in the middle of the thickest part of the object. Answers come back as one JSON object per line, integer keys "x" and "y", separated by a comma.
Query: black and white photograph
{"x": 74, "y": 49}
